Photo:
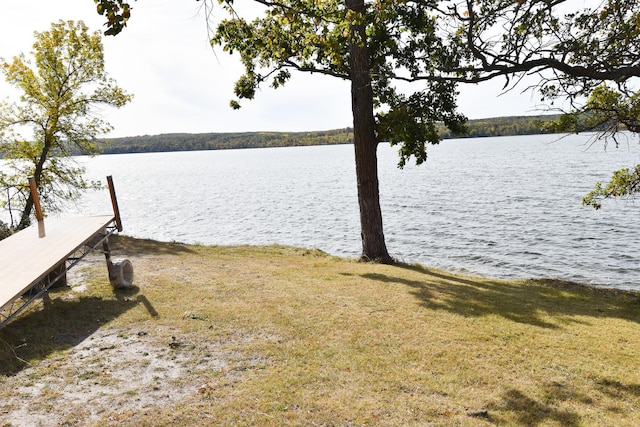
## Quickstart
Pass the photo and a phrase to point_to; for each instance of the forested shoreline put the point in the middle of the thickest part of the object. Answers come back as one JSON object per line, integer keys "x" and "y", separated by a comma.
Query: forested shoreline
{"x": 499, "y": 126}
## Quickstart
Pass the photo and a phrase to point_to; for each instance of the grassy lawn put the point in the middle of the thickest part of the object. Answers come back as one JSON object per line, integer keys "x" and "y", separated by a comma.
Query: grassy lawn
{"x": 273, "y": 336}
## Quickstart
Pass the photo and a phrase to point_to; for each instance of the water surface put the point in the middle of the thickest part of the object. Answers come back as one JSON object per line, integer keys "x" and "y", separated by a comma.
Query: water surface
{"x": 502, "y": 207}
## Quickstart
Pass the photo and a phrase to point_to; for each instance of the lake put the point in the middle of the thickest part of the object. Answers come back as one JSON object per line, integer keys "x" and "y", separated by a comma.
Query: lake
{"x": 501, "y": 207}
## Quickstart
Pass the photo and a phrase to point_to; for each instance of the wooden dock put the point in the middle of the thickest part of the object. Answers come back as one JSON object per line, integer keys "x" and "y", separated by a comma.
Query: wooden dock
{"x": 32, "y": 260}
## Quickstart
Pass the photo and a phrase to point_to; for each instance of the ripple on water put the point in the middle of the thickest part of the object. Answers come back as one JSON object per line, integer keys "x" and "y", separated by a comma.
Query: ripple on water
{"x": 502, "y": 207}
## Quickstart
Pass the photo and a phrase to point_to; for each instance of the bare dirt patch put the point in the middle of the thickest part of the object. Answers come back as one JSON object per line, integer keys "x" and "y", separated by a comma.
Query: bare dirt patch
{"x": 115, "y": 372}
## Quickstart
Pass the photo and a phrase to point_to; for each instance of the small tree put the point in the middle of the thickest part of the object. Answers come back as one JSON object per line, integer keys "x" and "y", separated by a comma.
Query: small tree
{"x": 57, "y": 103}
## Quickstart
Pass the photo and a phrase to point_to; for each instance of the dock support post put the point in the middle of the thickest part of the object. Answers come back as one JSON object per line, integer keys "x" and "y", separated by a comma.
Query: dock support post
{"x": 36, "y": 199}
{"x": 59, "y": 272}
{"x": 107, "y": 251}
{"x": 114, "y": 203}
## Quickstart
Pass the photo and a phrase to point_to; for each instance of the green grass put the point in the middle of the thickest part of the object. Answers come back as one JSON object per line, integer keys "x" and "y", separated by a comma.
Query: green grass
{"x": 276, "y": 336}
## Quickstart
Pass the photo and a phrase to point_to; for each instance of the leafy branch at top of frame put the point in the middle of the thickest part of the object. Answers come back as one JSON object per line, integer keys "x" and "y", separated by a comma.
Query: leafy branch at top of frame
{"x": 504, "y": 38}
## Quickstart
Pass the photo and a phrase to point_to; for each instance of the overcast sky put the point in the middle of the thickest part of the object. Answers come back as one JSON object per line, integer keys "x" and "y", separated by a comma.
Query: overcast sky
{"x": 181, "y": 85}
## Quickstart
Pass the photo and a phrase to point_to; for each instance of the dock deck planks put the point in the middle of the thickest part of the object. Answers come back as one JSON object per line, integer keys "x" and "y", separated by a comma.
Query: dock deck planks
{"x": 28, "y": 256}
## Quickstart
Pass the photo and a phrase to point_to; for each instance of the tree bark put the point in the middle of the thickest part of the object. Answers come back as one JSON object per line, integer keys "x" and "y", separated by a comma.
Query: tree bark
{"x": 25, "y": 219}
{"x": 365, "y": 143}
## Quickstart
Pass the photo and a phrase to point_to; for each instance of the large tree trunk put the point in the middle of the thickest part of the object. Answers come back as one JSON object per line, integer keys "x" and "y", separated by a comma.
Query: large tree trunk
{"x": 365, "y": 144}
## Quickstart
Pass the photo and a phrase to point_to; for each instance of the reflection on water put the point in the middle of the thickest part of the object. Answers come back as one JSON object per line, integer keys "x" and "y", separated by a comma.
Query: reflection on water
{"x": 503, "y": 207}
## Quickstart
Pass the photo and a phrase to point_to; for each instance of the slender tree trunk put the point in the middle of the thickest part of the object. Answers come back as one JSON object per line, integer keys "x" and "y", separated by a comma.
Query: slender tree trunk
{"x": 365, "y": 144}
{"x": 25, "y": 219}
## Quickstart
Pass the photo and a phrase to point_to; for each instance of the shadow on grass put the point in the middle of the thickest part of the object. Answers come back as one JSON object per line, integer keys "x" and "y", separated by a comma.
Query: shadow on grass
{"x": 531, "y": 412}
{"x": 132, "y": 246}
{"x": 530, "y": 302}
{"x": 59, "y": 324}
{"x": 545, "y": 409}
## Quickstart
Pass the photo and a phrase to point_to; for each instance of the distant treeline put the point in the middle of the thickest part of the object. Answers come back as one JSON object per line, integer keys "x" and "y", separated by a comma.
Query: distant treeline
{"x": 504, "y": 126}
{"x": 224, "y": 141}
{"x": 501, "y": 126}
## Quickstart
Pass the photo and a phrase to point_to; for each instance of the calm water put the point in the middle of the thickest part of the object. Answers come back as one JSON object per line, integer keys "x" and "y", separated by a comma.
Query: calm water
{"x": 501, "y": 207}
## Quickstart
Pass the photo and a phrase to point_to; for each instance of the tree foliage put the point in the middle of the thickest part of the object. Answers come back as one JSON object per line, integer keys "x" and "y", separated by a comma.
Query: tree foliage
{"x": 586, "y": 55}
{"x": 607, "y": 112}
{"x": 59, "y": 94}
{"x": 313, "y": 37}
{"x": 624, "y": 183}
{"x": 117, "y": 13}
{"x": 572, "y": 51}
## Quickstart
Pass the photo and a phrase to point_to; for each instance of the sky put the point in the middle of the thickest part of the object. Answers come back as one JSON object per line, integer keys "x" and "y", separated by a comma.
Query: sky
{"x": 183, "y": 85}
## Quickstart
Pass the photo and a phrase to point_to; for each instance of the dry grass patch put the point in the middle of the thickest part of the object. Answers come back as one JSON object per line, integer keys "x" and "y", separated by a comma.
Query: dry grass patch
{"x": 284, "y": 336}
